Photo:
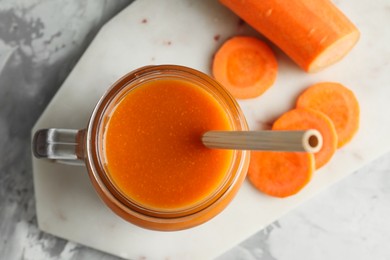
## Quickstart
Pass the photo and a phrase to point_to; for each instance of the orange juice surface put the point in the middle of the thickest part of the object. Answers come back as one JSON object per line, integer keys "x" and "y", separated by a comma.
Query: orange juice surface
{"x": 153, "y": 147}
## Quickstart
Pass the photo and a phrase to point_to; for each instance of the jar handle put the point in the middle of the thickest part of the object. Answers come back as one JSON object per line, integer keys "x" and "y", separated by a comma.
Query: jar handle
{"x": 61, "y": 145}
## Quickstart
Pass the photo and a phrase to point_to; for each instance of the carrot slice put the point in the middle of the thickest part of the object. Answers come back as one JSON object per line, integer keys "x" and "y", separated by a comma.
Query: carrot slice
{"x": 246, "y": 66}
{"x": 338, "y": 103}
{"x": 280, "y": 174}
{"x": 315, "y": 34}
{"x": 306, "y": 118}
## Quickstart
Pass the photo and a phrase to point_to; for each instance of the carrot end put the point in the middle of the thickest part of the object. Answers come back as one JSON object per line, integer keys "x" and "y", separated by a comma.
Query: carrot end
{"x": 334, "y": 52}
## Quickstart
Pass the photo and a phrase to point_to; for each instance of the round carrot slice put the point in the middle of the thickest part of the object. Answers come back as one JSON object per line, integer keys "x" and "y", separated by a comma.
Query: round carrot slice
{"x": 338, "y": 103}
{"x": 306, "y": 118}
{"x": 280, "y": 174}
{"x": 246, "y": 66}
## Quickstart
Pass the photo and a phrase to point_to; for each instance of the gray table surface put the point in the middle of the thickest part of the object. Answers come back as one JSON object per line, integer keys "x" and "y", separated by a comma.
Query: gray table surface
{"x": 40, "y": 42}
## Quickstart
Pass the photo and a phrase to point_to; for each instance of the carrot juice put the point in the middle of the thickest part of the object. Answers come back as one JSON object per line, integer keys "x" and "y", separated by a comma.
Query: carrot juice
{"x": 153, "y": 145}
{"x": 144, "y": 150}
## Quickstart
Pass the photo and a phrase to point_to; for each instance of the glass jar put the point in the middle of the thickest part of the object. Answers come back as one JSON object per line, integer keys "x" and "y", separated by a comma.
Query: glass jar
{"x": 87, "y": 146}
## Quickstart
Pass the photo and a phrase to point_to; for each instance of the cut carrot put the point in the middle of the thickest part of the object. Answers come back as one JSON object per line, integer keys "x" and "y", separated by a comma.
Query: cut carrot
{"x": 338, "y": 103}
{"x": 246, "y": 66}
{"x": 280, "y": 174}
{"x": 306, "y": 118}
{"x": 313, "y": 33}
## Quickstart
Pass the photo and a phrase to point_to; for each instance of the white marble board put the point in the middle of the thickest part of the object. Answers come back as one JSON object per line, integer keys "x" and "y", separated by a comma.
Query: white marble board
{"x": 188, "y": 32}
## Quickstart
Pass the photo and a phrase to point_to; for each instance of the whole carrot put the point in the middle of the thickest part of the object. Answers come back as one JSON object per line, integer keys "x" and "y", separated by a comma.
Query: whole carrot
{"x": 313, "y": 33}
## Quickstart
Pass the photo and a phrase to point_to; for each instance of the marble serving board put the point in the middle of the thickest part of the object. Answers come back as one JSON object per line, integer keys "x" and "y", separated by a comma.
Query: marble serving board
{"x": 188, "y": 32}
